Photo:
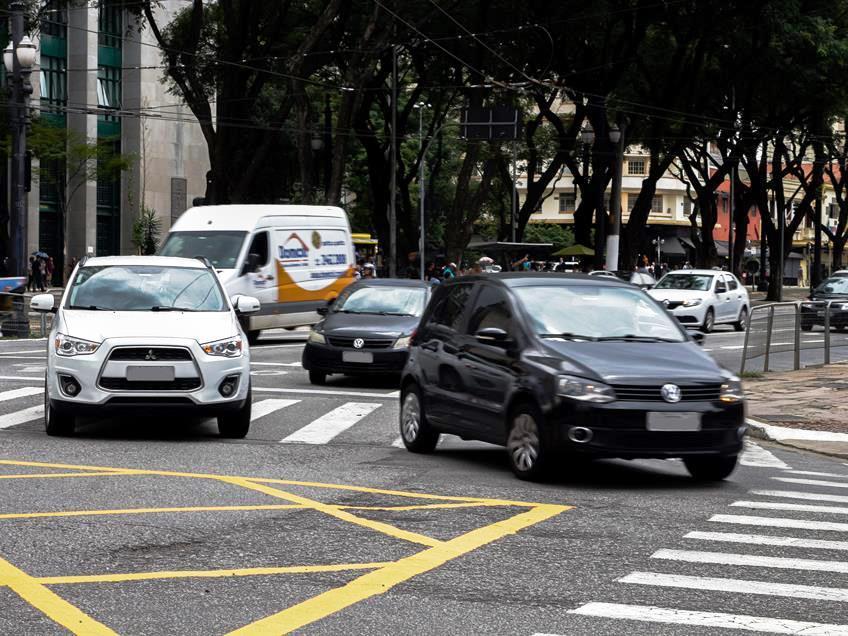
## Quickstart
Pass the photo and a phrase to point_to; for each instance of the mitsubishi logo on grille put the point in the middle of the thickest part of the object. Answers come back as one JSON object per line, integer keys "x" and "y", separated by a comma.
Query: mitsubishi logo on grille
{"x": 150, "y": 355}
{"x": 671, "y": 393}
{"x": 358, "y": 343}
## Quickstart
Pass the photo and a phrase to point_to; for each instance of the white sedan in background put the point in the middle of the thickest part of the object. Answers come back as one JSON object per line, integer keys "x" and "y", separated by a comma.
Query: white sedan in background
{"x": 704, "y": 298}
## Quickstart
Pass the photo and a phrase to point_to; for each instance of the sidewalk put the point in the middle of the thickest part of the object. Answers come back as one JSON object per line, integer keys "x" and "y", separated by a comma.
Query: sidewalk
{"x": 790, "y": 294}
{"x": 805, "y": 409}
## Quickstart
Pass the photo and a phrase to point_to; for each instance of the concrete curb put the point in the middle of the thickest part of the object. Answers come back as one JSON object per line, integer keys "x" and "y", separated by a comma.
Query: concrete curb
{"x": 823, "y": 442}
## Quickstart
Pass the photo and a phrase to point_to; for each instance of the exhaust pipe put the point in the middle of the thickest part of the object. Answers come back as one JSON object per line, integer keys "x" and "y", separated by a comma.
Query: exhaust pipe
{"x": 580, "y": 434}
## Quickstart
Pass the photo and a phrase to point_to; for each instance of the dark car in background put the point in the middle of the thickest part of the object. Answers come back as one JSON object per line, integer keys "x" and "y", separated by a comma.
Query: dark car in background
{"x": 366, "y": 330}
{"x": 833, "y": 290}
{"x": 552, "y": 364}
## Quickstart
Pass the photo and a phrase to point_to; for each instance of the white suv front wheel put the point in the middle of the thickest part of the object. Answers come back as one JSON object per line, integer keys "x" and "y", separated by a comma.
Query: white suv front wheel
{"x": 235, "y": 425}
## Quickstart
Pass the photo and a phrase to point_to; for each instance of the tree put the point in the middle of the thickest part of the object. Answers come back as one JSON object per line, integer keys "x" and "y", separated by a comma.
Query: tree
{"x": 146, "y": 230}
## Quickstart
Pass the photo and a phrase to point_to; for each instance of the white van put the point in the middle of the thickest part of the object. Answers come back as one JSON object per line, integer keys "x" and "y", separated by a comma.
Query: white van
{"x": 293, "y": 258}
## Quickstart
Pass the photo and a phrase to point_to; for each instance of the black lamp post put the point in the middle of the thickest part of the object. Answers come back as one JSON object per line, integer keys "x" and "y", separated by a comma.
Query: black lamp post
{"x": 587, "y": 137}
{"x": 18, "y": 58}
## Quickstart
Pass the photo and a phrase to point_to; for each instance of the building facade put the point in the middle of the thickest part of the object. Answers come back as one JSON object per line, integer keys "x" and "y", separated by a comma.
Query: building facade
{"x": 99, "y": 77}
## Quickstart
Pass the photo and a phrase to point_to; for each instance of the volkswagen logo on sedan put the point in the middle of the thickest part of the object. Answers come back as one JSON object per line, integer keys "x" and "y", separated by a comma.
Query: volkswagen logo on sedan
{"x": 358, "y": 343}
{"x": 671, "y": 393}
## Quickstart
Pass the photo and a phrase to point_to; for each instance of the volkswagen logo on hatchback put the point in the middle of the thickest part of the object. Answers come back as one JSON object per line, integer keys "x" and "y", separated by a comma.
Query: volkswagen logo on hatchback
{"x": 671, "y": 393}
{"x": 358, "y": 343}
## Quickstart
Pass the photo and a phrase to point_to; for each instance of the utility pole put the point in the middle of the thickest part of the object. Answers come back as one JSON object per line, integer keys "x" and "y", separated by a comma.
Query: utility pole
{"x": 815, "y": 275}
{"x": 18, "y": 251}
{"x": 421, "y": 188}
{"x": 328, "y": 149}
{"x": 617, "y": 138}
{"x": 513, "y": 221}
{"x": 733, "y": 173}
{"x": 393, "y": 193}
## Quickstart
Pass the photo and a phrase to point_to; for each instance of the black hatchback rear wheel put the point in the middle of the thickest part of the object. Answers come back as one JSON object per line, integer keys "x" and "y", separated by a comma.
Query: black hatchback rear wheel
{"x": 713, "y": 468}
{"x": 528, "y": 456}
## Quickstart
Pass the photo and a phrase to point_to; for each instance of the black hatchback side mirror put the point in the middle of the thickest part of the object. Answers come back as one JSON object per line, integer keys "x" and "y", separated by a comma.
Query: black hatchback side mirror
{"x": 698, "y": 337}
{"x": 493, "y": 336}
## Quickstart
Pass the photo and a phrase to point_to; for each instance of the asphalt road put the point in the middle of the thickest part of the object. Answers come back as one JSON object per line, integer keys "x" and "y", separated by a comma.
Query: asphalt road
{"x": 318, "y": 523}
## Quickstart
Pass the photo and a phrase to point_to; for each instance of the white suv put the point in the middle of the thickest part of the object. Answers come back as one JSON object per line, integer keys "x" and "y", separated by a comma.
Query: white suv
{"x": 704, "y": 298}
{"x": 134, "y": 333}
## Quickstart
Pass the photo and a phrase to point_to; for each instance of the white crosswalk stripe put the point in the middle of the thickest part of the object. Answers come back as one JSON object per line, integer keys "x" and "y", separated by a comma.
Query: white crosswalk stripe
{"x": 266, "y": 407}
{"x": 759, "y": 457}
{"x": 762, "y": 565}
{"x": 331, "y": 424}
{"x": 24, "y": 391}
{"x": 22, "y": 417}
{"x": 653, "y": 614}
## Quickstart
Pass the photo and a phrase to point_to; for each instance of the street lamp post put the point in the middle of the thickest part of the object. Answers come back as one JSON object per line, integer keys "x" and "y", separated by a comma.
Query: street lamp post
{"x": 18, "y": 59}
{"x": 616, "y": 137}
{"x": 659, "y": 243}
{"x": 587, "y": 137}
{"x": 420, "y": 106}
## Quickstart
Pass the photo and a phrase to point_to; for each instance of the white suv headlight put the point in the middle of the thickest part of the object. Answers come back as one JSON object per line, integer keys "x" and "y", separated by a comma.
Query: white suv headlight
{"x": 228, "y": 348}
{"x": 692, "y": 302}
{"x": 731, "y": 390}
{"x": 575, "y": 388}
{"x": 67, "y": 346}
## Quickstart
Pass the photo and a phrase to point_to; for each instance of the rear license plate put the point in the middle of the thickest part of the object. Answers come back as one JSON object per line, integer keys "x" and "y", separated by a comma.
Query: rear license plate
{"x": 150, "y": 373}
{"x": 674, "y": 421}
{"x": 361, "y": 357}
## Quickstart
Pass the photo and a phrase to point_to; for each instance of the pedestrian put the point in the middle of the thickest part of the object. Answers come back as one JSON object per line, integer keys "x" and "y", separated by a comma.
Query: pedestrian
{"x": 37, "y": 282}
{"x": 369, "y": 271}
{"x": 643, "y": 266}
{"x": 51, "y": 268}
{"x": 31, "y": 274}
{"x": 42, "y": 274}
{"x": 449, "y": 271}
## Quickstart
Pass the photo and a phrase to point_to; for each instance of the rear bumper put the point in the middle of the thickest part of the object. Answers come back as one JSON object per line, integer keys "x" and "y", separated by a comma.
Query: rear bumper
{"x": 620, "y": 430}
{"x": 329, "y": 359}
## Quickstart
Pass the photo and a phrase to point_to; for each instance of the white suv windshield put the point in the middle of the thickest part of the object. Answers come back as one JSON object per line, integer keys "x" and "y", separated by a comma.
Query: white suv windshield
{"x": 696, "y": 282}
{"x": 590, "y": 312}
{"x": 145, "y": 288}
{"x": 402, "y": 301}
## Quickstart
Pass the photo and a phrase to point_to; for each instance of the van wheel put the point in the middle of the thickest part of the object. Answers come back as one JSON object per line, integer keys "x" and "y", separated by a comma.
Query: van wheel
{"x": 253, "y": 336}
{"x": 710, "y": 468}
{"x": 415, "y": 431}
{"x": 525, "y": 444}
{"x": 318, "y": 377}
{"x": 57, "y": 423}
{"x": 739, "y": 325}
{"x": 236, "y": 425}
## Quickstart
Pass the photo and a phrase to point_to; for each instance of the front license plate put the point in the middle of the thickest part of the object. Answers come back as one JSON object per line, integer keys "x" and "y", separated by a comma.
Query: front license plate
{"x": 150, "y": 373}
{"x": 674, "y": 422}
{"x": 361, "y": 357}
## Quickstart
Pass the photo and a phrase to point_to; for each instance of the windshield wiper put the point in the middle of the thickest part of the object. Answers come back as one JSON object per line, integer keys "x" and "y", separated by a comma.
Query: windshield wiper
{"x": 90, "y": 308}
{"x": 567, "y": 336}
{"x": 166, "y": 308}
{"x": 394, "y": 313}
{"x": 634, "y": 338}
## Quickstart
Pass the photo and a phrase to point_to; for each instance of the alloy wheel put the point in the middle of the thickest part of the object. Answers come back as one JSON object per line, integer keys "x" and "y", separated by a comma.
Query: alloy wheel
{"x": 410, "y": 417}
{"x": 523, "y": 442}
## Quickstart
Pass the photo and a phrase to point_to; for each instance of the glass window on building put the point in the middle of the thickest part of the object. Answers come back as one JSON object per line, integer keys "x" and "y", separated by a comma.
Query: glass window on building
{"x": 657, "y": 204}
{"x": 110, "y": 23}
{"x": 636, "y": 167}
{"x": 53, "y": 79}
{"x": 687, "y": 206}
{"x": 109, "y": 87}
{"x": 567, "y": 203}
{"x": 109, "y": 211}
{"x": 54, "y": 19}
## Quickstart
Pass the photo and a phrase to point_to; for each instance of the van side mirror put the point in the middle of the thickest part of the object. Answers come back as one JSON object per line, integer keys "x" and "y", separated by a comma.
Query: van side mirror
{"x": 251, "y": 264}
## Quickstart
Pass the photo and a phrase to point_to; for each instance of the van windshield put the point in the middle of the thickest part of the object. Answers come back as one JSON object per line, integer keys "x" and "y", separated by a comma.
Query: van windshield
{"x": 220, "y": 247}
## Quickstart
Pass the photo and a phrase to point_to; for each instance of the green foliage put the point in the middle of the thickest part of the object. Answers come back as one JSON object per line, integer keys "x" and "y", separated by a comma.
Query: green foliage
{"x": 146, "y": 231}
{"x": 560, "y": 235}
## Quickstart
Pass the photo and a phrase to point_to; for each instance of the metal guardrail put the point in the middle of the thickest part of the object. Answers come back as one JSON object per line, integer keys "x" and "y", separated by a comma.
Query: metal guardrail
{"x": 779, "y": 328}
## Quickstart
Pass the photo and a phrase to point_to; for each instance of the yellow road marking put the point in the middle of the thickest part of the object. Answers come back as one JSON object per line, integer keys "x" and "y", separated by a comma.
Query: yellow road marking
{"x": 141, "y": 511}
{"x": 47, "y": 475}
{"x": 285, "y": 482}
{"x": 442, "y": 506}
{"x": 51, "y": 604}
{"x": 205, "y": 574}
{"x": 382, "y": 580}
{"x": 333, "y": 511}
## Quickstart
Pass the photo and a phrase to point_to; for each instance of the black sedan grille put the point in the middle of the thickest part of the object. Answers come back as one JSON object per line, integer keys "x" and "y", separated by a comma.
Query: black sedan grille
{"x": 150, "y": 353}
{"x": 652, "y": 393}
{"x": 122, "y": 384}
{"x": 370, "y": 343}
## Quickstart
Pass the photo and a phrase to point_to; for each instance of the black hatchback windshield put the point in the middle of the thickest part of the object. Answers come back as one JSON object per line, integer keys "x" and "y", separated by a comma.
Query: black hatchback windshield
{"x": 145, "y": 288}
{"x": 834, "y": 285}
{"x": 599, "y": 312}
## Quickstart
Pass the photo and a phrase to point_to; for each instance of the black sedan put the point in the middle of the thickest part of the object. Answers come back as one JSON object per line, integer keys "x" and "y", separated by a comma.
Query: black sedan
{"x": 366, "y": 330}
{"x": 552, "y": 364}
{"x": 834, "y": 291}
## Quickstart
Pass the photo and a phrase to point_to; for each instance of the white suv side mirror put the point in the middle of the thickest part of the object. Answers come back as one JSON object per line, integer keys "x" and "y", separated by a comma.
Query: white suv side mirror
{"x": 244, "y": 304}
{"x": 42, "y": 303}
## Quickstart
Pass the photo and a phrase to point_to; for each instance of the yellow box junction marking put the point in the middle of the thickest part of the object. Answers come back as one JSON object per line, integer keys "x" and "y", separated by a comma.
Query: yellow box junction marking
{"x": 381, "y": 576}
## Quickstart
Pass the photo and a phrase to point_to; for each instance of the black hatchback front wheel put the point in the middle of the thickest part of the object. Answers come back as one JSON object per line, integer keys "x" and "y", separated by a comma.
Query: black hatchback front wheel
{"x": 525, "y": 445}
{"x": 415, "y": 431}
{"x": 713, "y": 468}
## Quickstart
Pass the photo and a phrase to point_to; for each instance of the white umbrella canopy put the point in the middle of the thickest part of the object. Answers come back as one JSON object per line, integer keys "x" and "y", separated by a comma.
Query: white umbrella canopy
{"x": 485, "y": 260}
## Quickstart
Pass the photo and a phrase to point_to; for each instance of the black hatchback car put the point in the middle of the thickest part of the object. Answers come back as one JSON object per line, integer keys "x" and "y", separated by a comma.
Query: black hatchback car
{"x": 833, "y": 290}
{"x": 548, "y": 364}
{"x": 366, "y": 330}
